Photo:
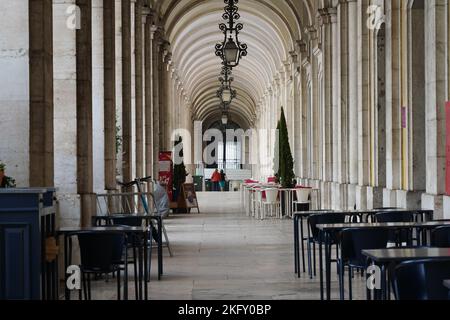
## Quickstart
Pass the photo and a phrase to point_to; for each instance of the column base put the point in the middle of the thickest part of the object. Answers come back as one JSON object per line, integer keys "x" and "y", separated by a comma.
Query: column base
{"x": 327, "y": 191}
{"x": 361, "y": 197}
{"x": 374, "y": 197}
{"x": 69, "y": 210}
{"x": 409, "y": 199}
{"x": 389, "y": 198}
{"x": 336, "y": 198}
{"x": 440, "y": 205}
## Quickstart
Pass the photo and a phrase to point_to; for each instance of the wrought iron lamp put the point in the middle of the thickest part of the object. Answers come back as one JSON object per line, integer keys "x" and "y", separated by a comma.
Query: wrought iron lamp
{"x": 226, "y": 92}
{"x": 224, "y": 118}
{"x": 231, "y": 50}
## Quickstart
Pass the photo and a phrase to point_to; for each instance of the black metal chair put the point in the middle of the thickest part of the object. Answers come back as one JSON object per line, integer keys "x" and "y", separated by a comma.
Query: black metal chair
{"x": 421, "y": 280}
{"x": 136, "y": 242}
{"x": 100, "y": 252}
{"x": 397, "y": 236}
{"x": 440, "y": 237}
{"x": 314, "y": 235}
{"x": 352, "y": 242}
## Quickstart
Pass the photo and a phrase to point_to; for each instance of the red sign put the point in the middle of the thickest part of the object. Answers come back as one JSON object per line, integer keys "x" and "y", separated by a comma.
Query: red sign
{"x": 166, "y": 172}
{"x": 404, "y": 118}
{"x": 447, "y": 149}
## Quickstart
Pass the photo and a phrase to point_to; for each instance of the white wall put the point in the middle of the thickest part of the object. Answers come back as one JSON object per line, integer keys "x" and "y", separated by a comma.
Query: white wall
{"x": 14, "y": 90}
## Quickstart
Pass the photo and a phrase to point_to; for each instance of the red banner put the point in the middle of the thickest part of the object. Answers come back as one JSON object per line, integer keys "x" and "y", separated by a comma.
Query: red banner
{"x": 447, "y": 148}
{"x": 166, "y": 171}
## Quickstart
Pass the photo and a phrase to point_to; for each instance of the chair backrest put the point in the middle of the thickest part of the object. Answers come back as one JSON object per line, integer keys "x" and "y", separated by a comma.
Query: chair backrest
{"x": 100, "y": 251}
{"x": 355, "y": 240}
{"x": 259, "y": 196}
{"x": 271, "y": 195}
{"x": 421, "y": 280}
{"x": 324, "y": 218}
{"x": 440, "y": 237}
{"x": 303, "y": 194}
{"x": 127, "y": 221}
{"x": 394, "y": 216}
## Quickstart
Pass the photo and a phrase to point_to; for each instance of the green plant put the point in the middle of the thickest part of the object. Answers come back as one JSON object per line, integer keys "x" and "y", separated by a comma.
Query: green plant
{"x": 286, "y": 161}
{"x": 276, "y": 160}
{"x": 7, "y": 182}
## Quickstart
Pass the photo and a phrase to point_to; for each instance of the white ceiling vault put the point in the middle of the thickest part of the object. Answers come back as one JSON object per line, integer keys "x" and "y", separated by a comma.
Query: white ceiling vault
{"x": 271, "y": 30}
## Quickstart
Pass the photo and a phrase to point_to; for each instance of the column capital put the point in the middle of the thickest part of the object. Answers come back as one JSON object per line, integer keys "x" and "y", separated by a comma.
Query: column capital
{"x": 147, "y": 14}
{"x": 327, "y": 15}
{"x": 155, "y": 31}
{"x": 167, "y": 57}
{"x": 293, "y": 57}
{"x": 302, "y": 46}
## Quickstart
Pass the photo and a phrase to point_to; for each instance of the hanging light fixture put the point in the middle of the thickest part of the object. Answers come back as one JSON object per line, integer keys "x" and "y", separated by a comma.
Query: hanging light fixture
{"x": 226, "y": 92}
{"x": 231, "y": 50}
{"x": 224, "y": 118}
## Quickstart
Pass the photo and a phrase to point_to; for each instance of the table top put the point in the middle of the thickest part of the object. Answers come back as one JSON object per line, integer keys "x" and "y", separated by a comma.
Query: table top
{"x": 102, "y": 229}
{"x": 391, "y": 225}
{"x": 399, "y": 254}
{"x": 356, "y": 212}
{"x": 125, "y": 216}
{"x": 26, "y": 190}
{"x": 447, "y": 283}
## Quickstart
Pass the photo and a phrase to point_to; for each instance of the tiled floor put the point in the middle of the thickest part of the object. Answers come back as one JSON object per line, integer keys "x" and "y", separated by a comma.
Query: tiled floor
{"x": 227, "y": 255}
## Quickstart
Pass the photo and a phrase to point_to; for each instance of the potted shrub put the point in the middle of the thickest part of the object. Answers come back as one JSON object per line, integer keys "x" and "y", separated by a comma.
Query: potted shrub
{"x": 285, "y": 172}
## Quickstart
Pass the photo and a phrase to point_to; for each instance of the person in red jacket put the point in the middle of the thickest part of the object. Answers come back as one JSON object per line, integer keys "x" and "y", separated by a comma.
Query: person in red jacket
{"x": 215, "y": 179}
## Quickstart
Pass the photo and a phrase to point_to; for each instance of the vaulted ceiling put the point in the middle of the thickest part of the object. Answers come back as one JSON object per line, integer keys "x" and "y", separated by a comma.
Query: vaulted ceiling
{"x": 271, "y": 30}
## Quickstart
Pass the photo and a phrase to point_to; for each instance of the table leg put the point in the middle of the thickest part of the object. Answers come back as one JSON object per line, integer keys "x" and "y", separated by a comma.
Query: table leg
{"x": 328, "y": 264}
{"x": 368, "y": 291}
{"x": 146, "y": 275}
{"x": 296, "y": 244}
{"x": 383, "y": 283}
{"x": 321, "y": 267}
{"x": 341, "y": 279}
{"x": 66, "y": 265}
{"x": 139, "y": 297}
{"x": 125, "y": 278}
{"x": 302, "y": 243}
{"x": 160, "y": 253}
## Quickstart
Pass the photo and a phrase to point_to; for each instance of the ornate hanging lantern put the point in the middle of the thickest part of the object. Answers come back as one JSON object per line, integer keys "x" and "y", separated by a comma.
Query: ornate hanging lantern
{"x": 231, "y": 50}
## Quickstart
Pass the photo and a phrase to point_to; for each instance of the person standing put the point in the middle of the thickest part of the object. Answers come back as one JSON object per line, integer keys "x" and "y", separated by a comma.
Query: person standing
{"x": 215, "y": 179}
{"x": 223, "y": 179}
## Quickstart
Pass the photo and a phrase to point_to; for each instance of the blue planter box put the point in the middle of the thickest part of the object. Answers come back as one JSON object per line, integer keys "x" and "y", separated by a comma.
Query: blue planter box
{"x": 27, "y": 219}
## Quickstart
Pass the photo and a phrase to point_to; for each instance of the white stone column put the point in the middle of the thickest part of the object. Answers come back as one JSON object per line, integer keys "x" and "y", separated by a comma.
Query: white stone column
{"x": 133, "y": 87}
{"x": 393, "y": 100}
{"x": 364, "y": 123}
{"x": 14, "y": 90}
{"x": 306, "y": 150}
{"x": 297, "y": 114}
{"x": 327, "y": 96}
{"x": 335, "y": 55}
{"x": 119, "y": 87}
{"x": 98, "y": 97}
{"x": 155, "y": 104}
{"x": 343, "y": 105}
{"x": 353, "y": 101}
{"x": 437, "y": 78}
{"x": 65, "y": 114}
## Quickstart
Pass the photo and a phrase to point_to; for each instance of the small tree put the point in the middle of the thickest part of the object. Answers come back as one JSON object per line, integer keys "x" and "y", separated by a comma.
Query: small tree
{"x": 276, "y": 160}
{"x": 286, "y": 161}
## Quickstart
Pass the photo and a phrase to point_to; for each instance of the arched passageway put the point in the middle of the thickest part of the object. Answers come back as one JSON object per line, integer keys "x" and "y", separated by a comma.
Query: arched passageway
{"x": 100, "y": 87}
